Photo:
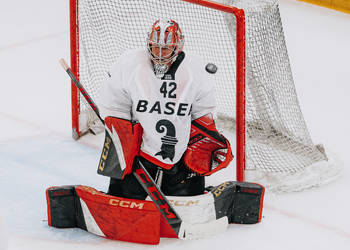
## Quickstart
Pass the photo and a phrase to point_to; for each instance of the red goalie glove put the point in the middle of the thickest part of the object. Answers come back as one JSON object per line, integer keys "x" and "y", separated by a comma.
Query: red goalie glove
{"x": 208, "y": 151}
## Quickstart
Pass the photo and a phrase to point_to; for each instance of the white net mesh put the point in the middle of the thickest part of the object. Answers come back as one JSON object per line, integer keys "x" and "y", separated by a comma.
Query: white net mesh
{"x": 277, "y": 137}
{"x": 279, "y": 147}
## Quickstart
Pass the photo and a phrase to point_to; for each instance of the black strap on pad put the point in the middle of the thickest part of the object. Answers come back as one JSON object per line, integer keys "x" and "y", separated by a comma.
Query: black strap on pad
{"x": 241, "y": 202}
{"x": 64, "y": 208}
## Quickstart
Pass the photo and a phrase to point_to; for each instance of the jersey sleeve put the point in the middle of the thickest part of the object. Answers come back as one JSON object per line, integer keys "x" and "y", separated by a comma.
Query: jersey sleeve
{"x": 204, "y": 102}
{"x": 115, "y": 99}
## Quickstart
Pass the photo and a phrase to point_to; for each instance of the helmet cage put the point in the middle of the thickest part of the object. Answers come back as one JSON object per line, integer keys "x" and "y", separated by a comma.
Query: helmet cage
{"x": 164, "y": 43}
{"x": 165, "y": 54}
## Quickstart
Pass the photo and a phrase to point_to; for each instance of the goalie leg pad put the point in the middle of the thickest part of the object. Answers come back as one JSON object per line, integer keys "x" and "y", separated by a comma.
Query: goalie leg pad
{"x": 198, "y": 215}
{"x": 104, "y": 215}
{"x": 241, "y": 202}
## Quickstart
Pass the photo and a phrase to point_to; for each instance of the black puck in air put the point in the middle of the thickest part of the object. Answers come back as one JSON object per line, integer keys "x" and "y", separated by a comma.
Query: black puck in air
{"x": 211, "y": 68}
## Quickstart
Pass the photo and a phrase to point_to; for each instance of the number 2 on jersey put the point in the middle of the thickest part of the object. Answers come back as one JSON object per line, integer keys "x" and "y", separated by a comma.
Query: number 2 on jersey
{"x": 168, "y": 88}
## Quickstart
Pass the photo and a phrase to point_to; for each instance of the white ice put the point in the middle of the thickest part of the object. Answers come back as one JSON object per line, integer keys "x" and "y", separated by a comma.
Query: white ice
{"x": 36, "y": 149}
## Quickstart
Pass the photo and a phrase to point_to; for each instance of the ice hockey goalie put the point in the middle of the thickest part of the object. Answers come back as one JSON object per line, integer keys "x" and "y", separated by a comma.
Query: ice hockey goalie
{"x": 158, "y": 105}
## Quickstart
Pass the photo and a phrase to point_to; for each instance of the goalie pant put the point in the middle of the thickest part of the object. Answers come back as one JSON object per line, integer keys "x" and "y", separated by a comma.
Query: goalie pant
{"x": 139, "y": 221}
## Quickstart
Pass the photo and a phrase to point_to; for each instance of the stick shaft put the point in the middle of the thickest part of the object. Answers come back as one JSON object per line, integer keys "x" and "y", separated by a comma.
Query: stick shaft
{"x": 81, "y": 88}
{"x": 139, "y": 171}
{"x": 158, "y": 198}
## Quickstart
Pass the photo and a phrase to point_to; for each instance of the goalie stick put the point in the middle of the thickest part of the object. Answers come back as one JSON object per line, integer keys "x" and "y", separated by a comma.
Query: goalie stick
{"x": 151, "y": 188}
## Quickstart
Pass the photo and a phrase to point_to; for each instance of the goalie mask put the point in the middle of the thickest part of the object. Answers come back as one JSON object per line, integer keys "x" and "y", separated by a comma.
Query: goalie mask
{"x": 164, "y": 43}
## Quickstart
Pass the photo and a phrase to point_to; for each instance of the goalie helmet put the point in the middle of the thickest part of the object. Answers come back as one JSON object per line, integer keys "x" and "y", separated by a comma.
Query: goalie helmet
{"x": 164, "y": 43}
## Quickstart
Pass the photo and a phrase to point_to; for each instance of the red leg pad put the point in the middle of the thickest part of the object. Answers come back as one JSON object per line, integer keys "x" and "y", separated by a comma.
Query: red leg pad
{"x": 122, "y": 219}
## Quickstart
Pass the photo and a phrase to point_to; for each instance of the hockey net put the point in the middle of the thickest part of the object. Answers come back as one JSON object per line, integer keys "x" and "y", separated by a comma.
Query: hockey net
{"x": 275, "y": 148}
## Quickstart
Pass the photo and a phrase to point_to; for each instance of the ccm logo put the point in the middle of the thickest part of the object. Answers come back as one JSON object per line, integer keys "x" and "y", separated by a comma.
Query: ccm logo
{"x": 61, "y": 193}
{"x": 249, "y": 190}
{"x": 128, "y": 204}
{"x": 218, "y": 191}
{"x": 184, "y": 203}
{"x": 104, "y": 155}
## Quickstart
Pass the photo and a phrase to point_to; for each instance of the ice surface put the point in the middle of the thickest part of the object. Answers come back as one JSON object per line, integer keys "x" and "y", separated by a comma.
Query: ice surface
{"x": 36, "y": 149}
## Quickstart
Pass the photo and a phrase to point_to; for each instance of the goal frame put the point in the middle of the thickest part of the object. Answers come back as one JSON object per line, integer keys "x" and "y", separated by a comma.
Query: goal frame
{"x": 240, "y": 75}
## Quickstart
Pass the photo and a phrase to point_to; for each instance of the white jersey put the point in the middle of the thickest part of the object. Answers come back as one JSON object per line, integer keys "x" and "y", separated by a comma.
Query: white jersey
{"x": 164, "y": 107}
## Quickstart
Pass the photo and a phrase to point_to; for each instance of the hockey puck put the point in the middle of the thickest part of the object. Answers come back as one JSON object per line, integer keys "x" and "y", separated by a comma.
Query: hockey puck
{"x": 211, "y": 68}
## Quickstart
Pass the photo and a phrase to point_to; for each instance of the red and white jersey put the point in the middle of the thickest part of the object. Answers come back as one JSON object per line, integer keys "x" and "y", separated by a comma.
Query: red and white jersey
{"x": 164, "y": 107}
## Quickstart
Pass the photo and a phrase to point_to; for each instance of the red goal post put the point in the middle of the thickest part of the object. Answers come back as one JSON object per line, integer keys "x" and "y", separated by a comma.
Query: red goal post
{"x": 240, "y": 74}
{"x": 240, "y": 79}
